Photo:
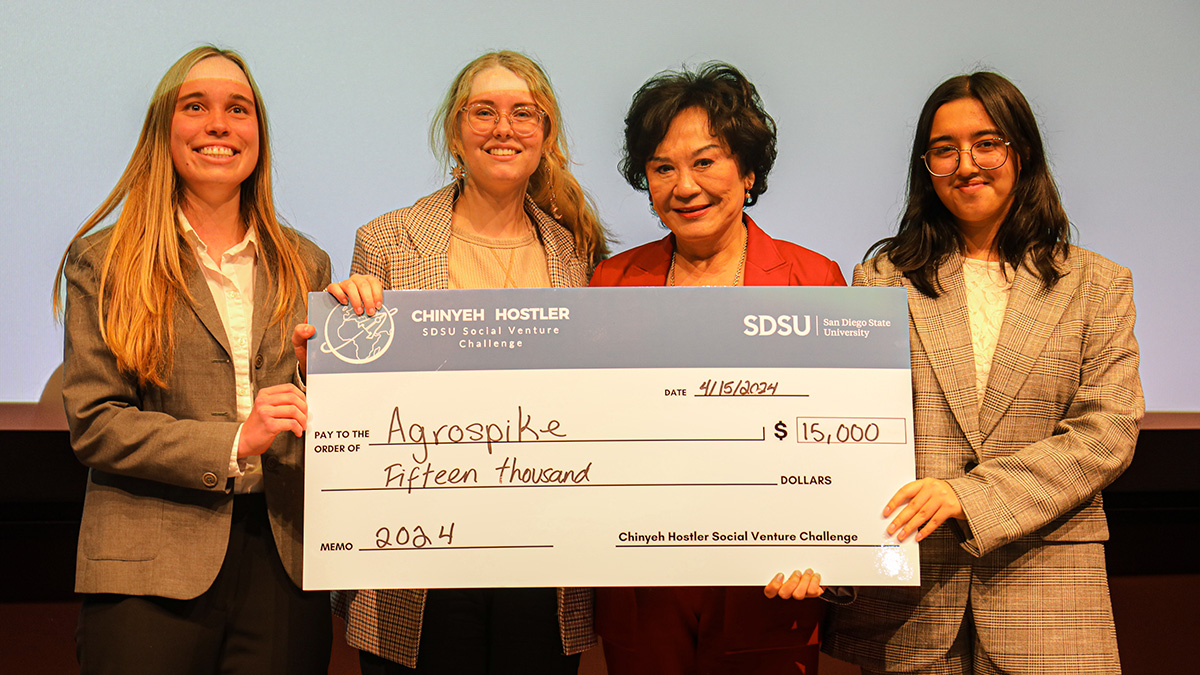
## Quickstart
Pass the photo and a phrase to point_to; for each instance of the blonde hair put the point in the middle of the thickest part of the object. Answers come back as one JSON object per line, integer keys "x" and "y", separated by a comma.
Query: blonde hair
{"x": 144, "y": 271}
{"x": 553, "y": 176}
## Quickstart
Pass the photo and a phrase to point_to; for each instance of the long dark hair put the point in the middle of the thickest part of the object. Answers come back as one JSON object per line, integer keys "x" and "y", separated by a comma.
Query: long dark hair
{"x": 735, "y": 115}
{"x": 1036, "y": 225}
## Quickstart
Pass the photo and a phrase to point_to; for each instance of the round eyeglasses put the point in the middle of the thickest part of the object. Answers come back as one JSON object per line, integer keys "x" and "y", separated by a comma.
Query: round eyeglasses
{"x": 524, "y": 120}
{"x": 988, "y": 154}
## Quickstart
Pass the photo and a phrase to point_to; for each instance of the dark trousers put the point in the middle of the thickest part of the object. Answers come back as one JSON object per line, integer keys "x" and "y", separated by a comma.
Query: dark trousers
{"x": 486, "y": 631}
{"x": 252, "y": 619}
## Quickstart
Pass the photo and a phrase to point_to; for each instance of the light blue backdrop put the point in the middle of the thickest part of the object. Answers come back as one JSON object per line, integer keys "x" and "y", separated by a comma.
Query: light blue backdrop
{"x": 350, "y": 88}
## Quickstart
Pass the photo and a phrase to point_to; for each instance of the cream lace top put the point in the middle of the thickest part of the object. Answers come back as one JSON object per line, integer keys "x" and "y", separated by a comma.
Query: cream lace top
{"x": 987, "y": 296}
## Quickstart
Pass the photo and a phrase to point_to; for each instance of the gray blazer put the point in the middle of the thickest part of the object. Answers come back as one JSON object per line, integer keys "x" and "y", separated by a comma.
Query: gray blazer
{"x": 1058, "y": 422}
{"x": 156, "y": 516}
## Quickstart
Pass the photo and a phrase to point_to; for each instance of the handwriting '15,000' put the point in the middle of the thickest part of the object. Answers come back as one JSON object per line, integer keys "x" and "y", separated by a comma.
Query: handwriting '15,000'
{"x": 847, "y": 430}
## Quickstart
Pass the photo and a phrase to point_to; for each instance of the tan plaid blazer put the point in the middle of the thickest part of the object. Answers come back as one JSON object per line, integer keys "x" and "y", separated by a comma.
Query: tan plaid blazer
{"x": 408, "y": 249}
{"x": 1058, "y": 422}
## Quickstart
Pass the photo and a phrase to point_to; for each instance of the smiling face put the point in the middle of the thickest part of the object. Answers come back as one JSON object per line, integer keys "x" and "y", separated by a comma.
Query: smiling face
{"x": 499, "y": 161}
{"x": 979, "y": 200}
{"x": 214, "y": 130}
{"x": 696, "y": 185}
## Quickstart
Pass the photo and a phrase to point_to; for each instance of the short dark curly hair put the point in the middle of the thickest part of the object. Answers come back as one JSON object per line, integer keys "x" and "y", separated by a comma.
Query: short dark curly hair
{"x": 735, "y": 115}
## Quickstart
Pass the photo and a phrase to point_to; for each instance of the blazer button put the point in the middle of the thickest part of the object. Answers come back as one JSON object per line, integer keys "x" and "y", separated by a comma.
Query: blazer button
{"x": 270, "y": 463}
{"x": 209, "y": 479}
{"x": 258, "y": 361}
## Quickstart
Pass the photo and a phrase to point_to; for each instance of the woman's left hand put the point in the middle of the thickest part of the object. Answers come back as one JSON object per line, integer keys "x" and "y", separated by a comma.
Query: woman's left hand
{"x": 277, "y": 409}
{"x": 800, "y": 585}
{"x": 931, "y": 502}
{"x": 301, "y": 334}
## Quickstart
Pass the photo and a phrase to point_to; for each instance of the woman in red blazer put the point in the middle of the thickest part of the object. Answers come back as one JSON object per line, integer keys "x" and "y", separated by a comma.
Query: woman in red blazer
{"x": 701, "y": 145}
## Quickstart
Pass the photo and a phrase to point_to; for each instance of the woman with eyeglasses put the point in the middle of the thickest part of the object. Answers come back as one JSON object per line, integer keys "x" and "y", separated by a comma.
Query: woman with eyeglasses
{"x": 1026, "y": 402}
{"x": 514, "y": 217}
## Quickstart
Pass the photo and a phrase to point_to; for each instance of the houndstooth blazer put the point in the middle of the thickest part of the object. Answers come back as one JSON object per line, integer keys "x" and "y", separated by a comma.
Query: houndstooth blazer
{"x": 1058, "y": 422}
{"x": 408, "y": 249}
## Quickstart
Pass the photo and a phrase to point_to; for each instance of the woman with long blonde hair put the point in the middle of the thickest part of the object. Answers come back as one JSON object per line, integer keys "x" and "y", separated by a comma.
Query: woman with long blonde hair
{"x": 178, "y": 379}
{"x": 513, "y": 217}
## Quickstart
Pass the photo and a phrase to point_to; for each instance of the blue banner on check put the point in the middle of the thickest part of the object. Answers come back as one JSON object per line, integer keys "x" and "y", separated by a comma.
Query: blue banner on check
{"x": 614, "y": 328}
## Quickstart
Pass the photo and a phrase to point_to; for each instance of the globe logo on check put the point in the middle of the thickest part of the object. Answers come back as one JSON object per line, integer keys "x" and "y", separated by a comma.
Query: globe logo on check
{"x": 358, "y": 338}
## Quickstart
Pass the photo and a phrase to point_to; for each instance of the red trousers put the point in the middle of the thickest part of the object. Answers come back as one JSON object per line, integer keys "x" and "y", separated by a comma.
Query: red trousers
{"x": 701, "y": 630}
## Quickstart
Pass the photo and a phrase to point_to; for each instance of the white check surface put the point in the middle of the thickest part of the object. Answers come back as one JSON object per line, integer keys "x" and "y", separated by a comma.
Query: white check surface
{"x": 604, "y": 477}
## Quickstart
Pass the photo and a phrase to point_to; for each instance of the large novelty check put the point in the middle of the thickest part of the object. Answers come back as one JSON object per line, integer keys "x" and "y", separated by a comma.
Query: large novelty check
{"x": 618, "y": 436}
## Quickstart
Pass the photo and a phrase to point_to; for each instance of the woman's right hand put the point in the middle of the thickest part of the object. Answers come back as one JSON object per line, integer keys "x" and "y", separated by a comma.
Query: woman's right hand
{"x": 361, "y": 291}
{"x": 800, "y": 585}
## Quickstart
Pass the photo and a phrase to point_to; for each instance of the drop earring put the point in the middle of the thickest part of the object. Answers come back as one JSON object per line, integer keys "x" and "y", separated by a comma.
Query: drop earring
{"x": 544, "y": 167}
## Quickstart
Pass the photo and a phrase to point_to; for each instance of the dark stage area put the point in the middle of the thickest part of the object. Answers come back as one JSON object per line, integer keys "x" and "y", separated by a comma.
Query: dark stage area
{"x": 1153, "y": 511}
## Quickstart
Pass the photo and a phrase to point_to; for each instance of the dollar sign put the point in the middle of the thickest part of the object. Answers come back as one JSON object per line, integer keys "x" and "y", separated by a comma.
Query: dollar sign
{"x": 780, "y": 430}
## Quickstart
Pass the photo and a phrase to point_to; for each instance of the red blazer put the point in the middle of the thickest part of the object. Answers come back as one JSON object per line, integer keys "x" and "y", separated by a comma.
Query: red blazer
{"x": 751, "y": 620}
{"x": 769, "y": 262}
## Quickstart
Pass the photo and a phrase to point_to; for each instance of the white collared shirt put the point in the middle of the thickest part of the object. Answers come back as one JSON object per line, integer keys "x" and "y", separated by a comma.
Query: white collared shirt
{"x": 231, "y": 282}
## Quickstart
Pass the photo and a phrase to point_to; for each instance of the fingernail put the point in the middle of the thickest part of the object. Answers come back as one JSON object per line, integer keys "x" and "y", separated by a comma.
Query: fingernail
{"x": 778, "y": 578}
{"x": 891, "y": 529}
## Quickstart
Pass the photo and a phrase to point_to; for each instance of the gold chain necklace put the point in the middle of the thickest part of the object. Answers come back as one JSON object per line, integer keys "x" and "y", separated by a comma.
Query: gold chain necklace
{"x": 507, "y": 268}
{"x": 508, "y": 282}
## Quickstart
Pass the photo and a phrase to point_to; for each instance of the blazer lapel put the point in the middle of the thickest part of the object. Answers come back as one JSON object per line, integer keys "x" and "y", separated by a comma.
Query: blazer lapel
{"x": 204, "y": 306}
{"x": 430, "y": 233}
{"x": 943, "y": 326}
{"x": 264, "y": 303}
{"x": 651, "y": 264}
{"x": 557, "y": 243}
{"x": 764, "y": 265}
{"x": 1030, "y": 318}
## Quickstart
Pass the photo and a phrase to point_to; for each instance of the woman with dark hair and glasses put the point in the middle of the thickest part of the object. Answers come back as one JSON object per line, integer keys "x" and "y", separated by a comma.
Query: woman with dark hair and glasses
{"x": 514, "y": 217}
{"x": 1026, "y": 402}
{"x": 701, "y": 144}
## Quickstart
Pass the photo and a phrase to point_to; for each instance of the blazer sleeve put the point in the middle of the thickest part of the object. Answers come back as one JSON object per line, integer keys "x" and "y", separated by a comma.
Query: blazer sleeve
{"x": 834, "y": 276}
{"x": 370, "y": 255}
{"x": 111, "y": 428}
{"x": 1018, "y": 494}
{"x": 601, "y": 275}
